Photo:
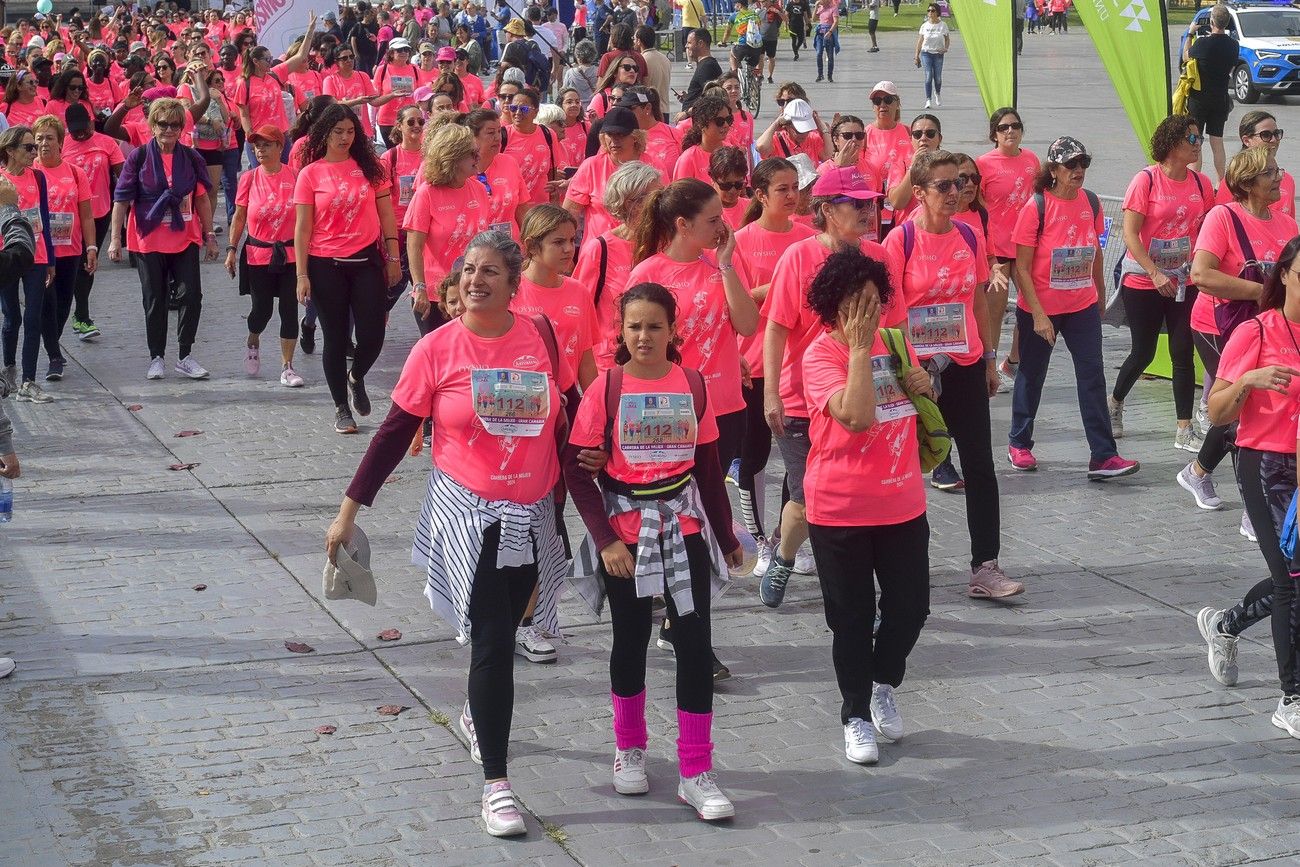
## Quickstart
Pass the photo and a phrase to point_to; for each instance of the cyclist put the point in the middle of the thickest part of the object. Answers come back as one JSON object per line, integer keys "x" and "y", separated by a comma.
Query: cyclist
{"x": 749, "y": 38}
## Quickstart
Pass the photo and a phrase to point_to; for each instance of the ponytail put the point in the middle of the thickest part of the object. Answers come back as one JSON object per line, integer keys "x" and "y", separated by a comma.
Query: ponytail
{"x": 656, "y": 227}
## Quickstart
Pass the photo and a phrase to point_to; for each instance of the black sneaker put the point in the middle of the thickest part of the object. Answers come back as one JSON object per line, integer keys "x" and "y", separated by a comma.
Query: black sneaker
{"x": 307, "y": 337}
{"x": 946, "y": 478}
{"x": 344, "y": 423}
{"x": 55, "y": 371}
{"x": 360, "y": 399}
{"x": 720, "y": 671}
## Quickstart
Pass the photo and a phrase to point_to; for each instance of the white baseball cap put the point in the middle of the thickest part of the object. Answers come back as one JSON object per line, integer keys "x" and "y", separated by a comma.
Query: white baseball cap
{"x": 799, "y": 113}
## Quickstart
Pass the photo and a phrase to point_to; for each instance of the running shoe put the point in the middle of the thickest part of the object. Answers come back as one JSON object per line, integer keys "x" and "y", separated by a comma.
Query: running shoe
{"x": 765, "y": 551}
{"x": 665, "y": 639}
{"x": 1221, "y": 648}
{"x": 157, "y": 367}
{"x": 804, "y": 561}
{"x": 252, "y": 360}
{"x": 860, "y": 742}
{"x": 1111, "y": 468}
{"x": 8, "y": 380}
{"x": 1247, "y": 529}
{"x": 1187, "y": 439}
{"x": 54, "y": 372}
{"x": 884, "y": 712}
{"x": 1116, "y": 417}
{"x": 1200, "y": 487}
{"x": 771, "y": 590}
{"x": 533, "y": 646}
{"x": 1007, "y": 375}
{"x": 1021, "y": 459}
{"x": 938, "y": 102}
{"x": 467, "y": 729}
{"x": 872, "y": 50}
{"x": 360, "y": 400}
{"x": 720, "y": 671}
{"x": 500, "y": 812}
{"x": 946, "y": 478}
{"x": 31, "y": 392}
{"x": 84, "y": 330}
{"x": 1202, "y": 420}
{"x": 344, "y": 423}
{"x": 1287, "y": 715}
{"x": 704, "y": 796}
{"x": 307, "y": 337}
{"x": 289, "y": 377}
{"x": 629, "y": 772}
{"x": 927, "y": 103}
{"x": 990, "y": 582}
{"x": 187, "y": 366}
{"x": 733, "y": 473}
{"x": 7, "y": 667}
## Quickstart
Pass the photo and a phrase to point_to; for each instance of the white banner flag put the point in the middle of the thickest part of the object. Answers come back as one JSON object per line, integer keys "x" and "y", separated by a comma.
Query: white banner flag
{"x": 280, "y": 22}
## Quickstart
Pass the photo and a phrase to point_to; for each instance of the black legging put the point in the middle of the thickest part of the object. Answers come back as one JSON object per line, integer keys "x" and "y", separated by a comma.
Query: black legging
{"x": 86, "y": 280}
{"x": 1215, "y": 447}
{"x": 630, "y": 616}
{"x": 266, "y": 289}
{"x": 496, "y": 602}
{"x": 1146, "y": 311}
{"x": 731, "y": 433}
{"x": 755, "y": 449}
{"x": 964, "y": 402}
{"x": 343, "y": 294}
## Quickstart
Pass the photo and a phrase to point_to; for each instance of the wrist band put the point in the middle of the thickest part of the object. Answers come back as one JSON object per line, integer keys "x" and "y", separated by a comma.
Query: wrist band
{"x": 990, "y": 356}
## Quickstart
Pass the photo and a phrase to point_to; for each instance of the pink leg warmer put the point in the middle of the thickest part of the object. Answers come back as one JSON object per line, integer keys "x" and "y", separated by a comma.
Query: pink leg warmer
{"x": 629, "y": 721}
{"x": 694, "y": 749}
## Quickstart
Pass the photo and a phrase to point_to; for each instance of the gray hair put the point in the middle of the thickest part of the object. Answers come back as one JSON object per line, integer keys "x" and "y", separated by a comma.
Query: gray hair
{"x": 550, "y": 114}
{"x": 505, "y": 246}
{"x": 585, "y": 52}
{"x": 629, "y": 180}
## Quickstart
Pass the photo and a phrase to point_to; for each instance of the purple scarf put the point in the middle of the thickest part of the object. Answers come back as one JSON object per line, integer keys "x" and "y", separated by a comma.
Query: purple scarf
{"x": 143, "y": 183}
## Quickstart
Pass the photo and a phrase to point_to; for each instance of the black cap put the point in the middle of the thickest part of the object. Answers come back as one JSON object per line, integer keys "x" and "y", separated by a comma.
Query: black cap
{"x": 632, "y": 98}
{"x": 76, "y": 117}
{"x": 619, "y": 121}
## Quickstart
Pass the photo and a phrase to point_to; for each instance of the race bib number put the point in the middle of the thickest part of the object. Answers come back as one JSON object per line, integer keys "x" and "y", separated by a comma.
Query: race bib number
{"x": 506, "y": 228}
{"x": 403, "y": 83}
{"x": 511, "y": 402}
{"x": 938, "y": 328}
{"x": 33, "y": 216}
{"x": 892, "y": 403}
{"x": 187, "y": 208}
{"x": 1072, "y": 268}
{"x": 61, "y": 228}
{"x": 656, "y": 428}
{"x": 405, "y": 189}
{"x": 1170, "y": 254}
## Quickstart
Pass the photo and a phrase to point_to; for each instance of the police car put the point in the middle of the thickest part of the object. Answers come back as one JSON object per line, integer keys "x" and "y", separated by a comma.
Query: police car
{"x": 1269, "y": 39}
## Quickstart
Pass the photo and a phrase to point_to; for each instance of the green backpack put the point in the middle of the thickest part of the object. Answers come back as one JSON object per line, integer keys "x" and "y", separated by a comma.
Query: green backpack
{"x": 931, "y": 430}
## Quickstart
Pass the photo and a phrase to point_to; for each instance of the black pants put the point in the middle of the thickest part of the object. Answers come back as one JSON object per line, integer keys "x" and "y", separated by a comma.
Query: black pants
{"x": 266, "y": 289}
{"x": 348, "y": 295}
{"x": 848, "y": 558}
{"x": 798, "y": 38}
{"x": 496, "y": 603}
{"x": 58, "y": 303}
{"x": 158, "y": 272}
{"x": 631, "y": 618}
{"x": 755, "y": 450}
{"x": 1215, "y": 447}
{"x": 964, "y": 402}
{"x": 431, "y": 321}
{"x": 1146, "y": 311}
{"x": 1267, "y": 480}
{"x": 731, "y": 433}
{"x": 22, "y": 297}
{"x": 86, "y": 280}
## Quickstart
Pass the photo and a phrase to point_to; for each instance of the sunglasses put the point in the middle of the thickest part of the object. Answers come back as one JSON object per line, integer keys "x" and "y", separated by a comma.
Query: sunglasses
{"x": 724, "y": 121}
{"x": 163, "y": 125}
{"x": 415, "y": 121}
{"x": 1078, "y": 162}
{"x": 918, "y": 134}
{"x": 1270, "y": 134}
{"x": 884, "y": 100}
{"x": 781, "y": 102}
{"x": 1273, "y": 173}
{"x": 969, "y": 179}
{"x": 858, "y": 204}
{"x": 343, "y": 57}
{"x": 30, "y": 148}
{"x": 947, "y": 186}
{"x": 853, "y": 136}
{"x": 1011, "y": 127}
{"x": 1194, "y": 139}
{"x": 482, "y": 179}
{"x": 521, "y": 109}
{"x": 628, "y": 67}
{"x": 729, "y": 186}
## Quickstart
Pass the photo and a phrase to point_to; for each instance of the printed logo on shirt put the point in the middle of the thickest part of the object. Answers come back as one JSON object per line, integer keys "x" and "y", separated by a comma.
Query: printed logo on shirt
{"x": 526, "y": 361}
{"x": 572, "y": 310}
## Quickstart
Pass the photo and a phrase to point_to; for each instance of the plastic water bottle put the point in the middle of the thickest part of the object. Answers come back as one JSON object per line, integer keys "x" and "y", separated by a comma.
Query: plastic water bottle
{"x": 6, "y": 500}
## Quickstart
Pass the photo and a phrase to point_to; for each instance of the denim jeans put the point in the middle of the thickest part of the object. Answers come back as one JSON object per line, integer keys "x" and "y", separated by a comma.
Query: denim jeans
{"x": 826, "y": 45}
{"x": 230, "y": 180}
{"x": 26, "y": 316}
{"x": 932, "y": 63}
{"x": 1081, "y": 331}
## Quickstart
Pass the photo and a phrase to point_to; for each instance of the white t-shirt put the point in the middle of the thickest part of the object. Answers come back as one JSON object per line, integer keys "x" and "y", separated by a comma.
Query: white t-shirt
{"x": 933, "y": 36}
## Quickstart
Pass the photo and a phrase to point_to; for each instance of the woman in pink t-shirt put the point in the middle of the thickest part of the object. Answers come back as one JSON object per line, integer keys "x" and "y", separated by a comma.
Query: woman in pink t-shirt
{"x": 68, "y": 87}
{"x": 487, "y": 531}
{"x": 346, "y": 253}
{"x": 576, "y": 127}
{"x": 533, "y": 146}
{"x": 1256, "y": 128}
{"x": 658, "y": 524}
{"x": 742, "y": 125}
{"x": 1258, "y": 387}
{"x": 22, "y": 102}
{"x": 728, "y": 168}
{"x": 621, "y": 141}
{"x": 506, "y": 188}
{"x": 23, "y": 295}
{"x": 866, "y": 495}
{"x": 711, "y": 120}
{"x": 927, "y": 136}
{"x": 1059, "y": 274}
{"x": 397, "y": 76}
{"x": 261, "y": 92}
{"x": 101, "y": 158}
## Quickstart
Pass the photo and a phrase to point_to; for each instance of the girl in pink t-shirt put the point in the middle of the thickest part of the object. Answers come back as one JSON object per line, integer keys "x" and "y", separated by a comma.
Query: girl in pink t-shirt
{"x": 728, "y": 168}
{"x": 653, "y": 418}
{"x": 866, "y": 494}
{"x": 711, "y": 121}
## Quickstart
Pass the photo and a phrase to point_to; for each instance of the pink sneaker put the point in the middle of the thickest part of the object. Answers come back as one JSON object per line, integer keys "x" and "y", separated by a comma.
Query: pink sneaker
{"x": 1022, "y": 459}
{"x": 1111, "y": 467}
{"x": 990, "y": 582}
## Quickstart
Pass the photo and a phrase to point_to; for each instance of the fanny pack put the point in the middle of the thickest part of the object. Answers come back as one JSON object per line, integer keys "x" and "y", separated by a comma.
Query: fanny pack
{"x": 660, "y": 489}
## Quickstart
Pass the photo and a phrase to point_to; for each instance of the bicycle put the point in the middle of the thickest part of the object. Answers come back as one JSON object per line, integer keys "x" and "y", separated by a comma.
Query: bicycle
{"x": 751, "y": 87}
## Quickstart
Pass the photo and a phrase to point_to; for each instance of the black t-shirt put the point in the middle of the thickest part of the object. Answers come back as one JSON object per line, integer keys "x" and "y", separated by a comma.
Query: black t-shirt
{"x": 1215, "y": 56}
{"x": 706, "y": 70}
{"x": 798, "y": 12}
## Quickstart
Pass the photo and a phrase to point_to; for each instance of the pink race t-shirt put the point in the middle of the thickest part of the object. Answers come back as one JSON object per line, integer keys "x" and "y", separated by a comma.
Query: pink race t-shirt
{"x": 437, "y": 383}
{"x": 570, "y": 310}
{"x": 1006, "y": 184}
{"x": 574, "y": 144}
{"x": 165, "y": 239}
{"x": 589, "y": 432}
{"x": 449, "y": 218}
{"x": 354, "y": 86}
{"x": 939, "y": 281}
{"x": 403, "y": 169}
{"x": 663, "y": 147}
{"x": 703, "y": 322}
{"x": 1218, "y": 236}
{"x": 735, "y": 215}
{"x": 1062, "y": 269}
{"x": 23, "y": 113}
{"x": 784, "y": 145}
{"x": 757, "y": 252}
{"x": 693, "y": 163}
{"x": 1268, "y": 418}
{"x": 587, "y": 188}
{"x": 391, "y": 78}
{"x": 346, "y": 220}
{"x": 1286, "y": 200}
{"x": 888, "y": 152}
{"x": 1172, "y": 212}
{"x": 867, "y": 479}
{"x": 264, "y": 98}
{"x": 96, "y": 155}
{"x": 741, "y": 134}
{"x": 536, "y": 160}
{"x": 618, "y": 265}
{"x": 105, "y": 95}
{"x": 308, "y": 83}
{"x": 67, "y": 189}
{"x": 269, "y": 200}
{"x": 507, "y": 191}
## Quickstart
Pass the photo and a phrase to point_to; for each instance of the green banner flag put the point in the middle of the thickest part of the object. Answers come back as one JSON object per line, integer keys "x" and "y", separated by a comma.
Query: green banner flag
{"x": 987, "y": 30}
{"x": 1132, "y": 39}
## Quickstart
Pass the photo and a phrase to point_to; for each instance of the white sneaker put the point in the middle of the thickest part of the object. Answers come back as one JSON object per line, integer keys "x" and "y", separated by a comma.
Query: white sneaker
{"x": 804, "y": 562}
{"x": 1187, "y": 439}
{"x": 884, "y": 712}
{"x": 252, "y": 360}
{"x": 1202, "y": 420}
{"x": 187, "y": 366}
{"x": 467, "y": 729}
{"x": 289, "y": 378}
{"x": 1116, "y": 417}
{"x": 1200, "y": 487}
{"x": 927, "y": 103}
{"x": 860, "y": 742}
{"x": 533, "y": 646}
{"x": 629, "y": 772}
{"x": 938, "y": 103}
{"x": 1007, "y": 376}
{"x": 500, "y": 812}
{"x": 7, "y": 666}
{"x": 30, "y": 391}
{"x": 1287, "y": 715}
{"x": 1247, "y": 529}
{"x": 1222, "y": 648}
{"x": 704, "y": 796}
{"x": 765, "y": 549}
{"x": 157, "y": 368}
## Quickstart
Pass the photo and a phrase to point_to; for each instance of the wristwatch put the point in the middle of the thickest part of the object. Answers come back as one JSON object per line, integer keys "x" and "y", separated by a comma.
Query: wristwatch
{"x": 92, "y": 248}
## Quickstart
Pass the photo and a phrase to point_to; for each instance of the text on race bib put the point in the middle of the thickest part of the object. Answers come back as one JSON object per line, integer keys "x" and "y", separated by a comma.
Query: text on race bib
{"x": 938, "y": 328}
{"x": 1072, "y": 268}
{"x": 892, "y": 403}
{"x": 511, "y": 402}
{"x": 656, "y": 428}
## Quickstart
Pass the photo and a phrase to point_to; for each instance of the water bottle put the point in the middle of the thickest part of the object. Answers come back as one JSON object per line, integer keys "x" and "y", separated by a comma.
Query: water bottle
{"x": 6, "y": 500}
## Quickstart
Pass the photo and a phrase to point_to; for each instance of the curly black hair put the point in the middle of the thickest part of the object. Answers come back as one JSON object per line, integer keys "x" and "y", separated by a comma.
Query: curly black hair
{"x": 361, "y": 151}
{"x": 843, "y": 275}
{"x": 1171, "y": 132}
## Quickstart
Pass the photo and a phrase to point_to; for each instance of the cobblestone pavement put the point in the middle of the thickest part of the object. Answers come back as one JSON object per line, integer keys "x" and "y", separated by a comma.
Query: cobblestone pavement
{"x": 152, "y": 723}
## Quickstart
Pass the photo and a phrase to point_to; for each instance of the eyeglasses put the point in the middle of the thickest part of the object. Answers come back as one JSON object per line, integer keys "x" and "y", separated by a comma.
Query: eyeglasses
{"x": 948, "y": 185}
{"x": 884, "y": 100}
{"x": 30, "y": 148}
{"x": 852, "y": 136}
{"x": 1272, "y": 174}
{"x": 1269, "y": 134}
{"x": 1078, "y": 162}
{"x": 858, "y": 204}
{"x": 1011, "y": 127}
{"x": 724, "y": 121}
{"x": 1194, "y": 139}
{"x": 521, "y": 109}
{"x": 969, "y": 179}
{"x": 165, "y": 127}
{"x": 628, "y": 67}
{"x": 415, "y": 121}
{"x": 918, "y": 134}
{"x": 729, "y": 186}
